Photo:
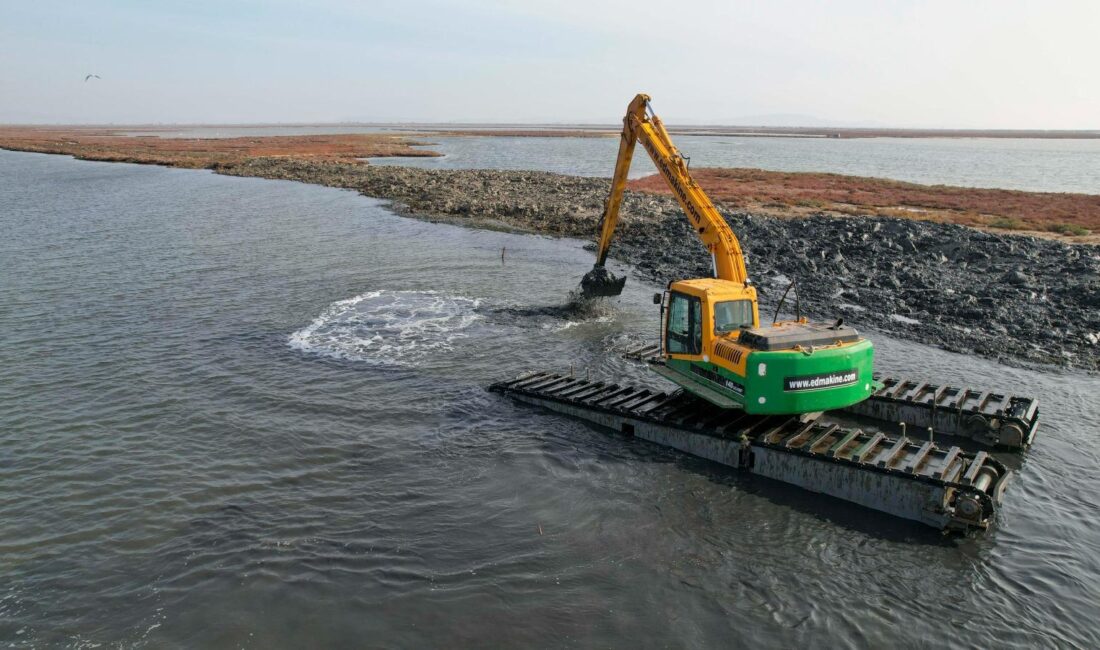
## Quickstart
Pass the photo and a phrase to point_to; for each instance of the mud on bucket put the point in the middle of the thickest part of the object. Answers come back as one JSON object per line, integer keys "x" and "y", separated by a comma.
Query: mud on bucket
{"x": 601, "y": 282}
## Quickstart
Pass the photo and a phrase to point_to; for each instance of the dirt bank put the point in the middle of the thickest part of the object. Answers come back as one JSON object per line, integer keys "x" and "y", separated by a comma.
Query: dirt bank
{"x": 1004, "y": 297}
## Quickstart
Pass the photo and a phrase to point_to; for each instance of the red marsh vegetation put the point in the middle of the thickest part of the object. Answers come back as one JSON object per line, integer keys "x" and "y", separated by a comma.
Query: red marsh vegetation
{"x": 110, "y": 145}
{"x": 792, "y": 194}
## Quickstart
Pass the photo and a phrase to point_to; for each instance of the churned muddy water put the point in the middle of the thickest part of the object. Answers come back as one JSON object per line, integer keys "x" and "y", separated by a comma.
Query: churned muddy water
{"x": 238, "y": 412}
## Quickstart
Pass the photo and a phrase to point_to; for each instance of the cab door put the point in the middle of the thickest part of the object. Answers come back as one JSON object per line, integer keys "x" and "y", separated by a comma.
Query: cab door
{"x": 684, "y": 325}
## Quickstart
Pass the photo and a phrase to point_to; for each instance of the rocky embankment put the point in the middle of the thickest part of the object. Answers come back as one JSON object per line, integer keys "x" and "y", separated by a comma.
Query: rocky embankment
{"x": 1001, "y": 296}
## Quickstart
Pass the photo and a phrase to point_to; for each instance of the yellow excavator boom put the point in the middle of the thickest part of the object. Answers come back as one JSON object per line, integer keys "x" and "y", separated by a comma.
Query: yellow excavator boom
{"x": 641, "y": 125}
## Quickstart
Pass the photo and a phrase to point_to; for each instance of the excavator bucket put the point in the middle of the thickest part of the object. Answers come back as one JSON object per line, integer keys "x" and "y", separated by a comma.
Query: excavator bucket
{"x": 601, "y": 283}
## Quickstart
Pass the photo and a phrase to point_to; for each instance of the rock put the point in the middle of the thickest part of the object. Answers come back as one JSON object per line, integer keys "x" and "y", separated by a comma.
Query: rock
{"x": 1017, "y": 278}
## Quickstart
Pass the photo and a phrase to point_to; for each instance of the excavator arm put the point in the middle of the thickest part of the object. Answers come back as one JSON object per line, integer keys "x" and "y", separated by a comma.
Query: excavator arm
{"x": 641, "y": 125}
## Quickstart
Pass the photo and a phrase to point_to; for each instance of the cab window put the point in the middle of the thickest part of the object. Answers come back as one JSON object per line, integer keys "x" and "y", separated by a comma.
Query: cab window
{"x": 731, "y": 315}
{"x": 685, "y": 325}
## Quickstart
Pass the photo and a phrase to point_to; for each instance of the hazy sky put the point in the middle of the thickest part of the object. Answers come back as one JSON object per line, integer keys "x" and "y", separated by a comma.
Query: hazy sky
{"x": 957, "y": 63}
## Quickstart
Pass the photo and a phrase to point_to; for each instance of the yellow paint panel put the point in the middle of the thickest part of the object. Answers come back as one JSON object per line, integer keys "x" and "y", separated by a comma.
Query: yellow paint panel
{"x": 729, "y": 355}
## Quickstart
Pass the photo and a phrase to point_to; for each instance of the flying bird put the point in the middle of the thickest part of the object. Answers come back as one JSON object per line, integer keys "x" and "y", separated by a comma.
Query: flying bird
{"x": 90, "y": 76}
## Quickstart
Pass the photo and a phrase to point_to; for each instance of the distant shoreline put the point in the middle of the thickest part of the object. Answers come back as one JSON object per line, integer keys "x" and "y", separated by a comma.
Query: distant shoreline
{"x": 771, "y": 132}
{"x": 598, "y": 130}
{"x": 1074, "y": 218}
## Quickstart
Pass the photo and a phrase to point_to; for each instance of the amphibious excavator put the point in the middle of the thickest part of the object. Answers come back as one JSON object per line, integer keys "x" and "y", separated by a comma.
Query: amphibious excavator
{"x": 712, "y": 342}
{"x": 787, "y": 401}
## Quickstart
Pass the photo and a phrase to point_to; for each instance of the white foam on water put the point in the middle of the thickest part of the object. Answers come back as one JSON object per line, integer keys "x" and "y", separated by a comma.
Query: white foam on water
{"x": 388, "y": 327}
{"x": 570, "y": 324}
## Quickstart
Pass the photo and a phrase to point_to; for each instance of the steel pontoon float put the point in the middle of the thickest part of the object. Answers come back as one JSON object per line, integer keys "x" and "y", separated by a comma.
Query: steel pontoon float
{"x": 941, "y": 486}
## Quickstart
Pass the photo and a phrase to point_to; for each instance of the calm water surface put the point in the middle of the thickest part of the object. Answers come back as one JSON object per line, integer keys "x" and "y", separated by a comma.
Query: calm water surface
{"x": 248, "y": 413}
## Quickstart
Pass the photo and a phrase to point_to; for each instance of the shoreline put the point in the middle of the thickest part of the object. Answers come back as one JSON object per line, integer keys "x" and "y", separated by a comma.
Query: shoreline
{"x": 1069, "y": 217}
{"x": 613, "y": 129}
{"x": 1006, "y": 297}
{"x": 108, "y": 145}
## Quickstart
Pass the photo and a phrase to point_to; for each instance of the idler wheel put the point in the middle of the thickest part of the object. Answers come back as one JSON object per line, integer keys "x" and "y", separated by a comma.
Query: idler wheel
{"x": 969, "y": 507}
{"x": 1011, "y": 435}
{"x": 977, "y": 424}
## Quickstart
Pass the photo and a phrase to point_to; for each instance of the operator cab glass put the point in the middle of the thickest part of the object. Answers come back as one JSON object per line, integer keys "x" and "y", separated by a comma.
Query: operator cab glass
{"x": 731, "y": 315}
{"x": 685, "y": 325}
